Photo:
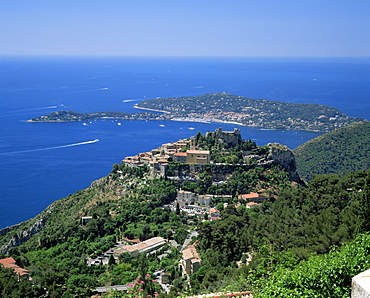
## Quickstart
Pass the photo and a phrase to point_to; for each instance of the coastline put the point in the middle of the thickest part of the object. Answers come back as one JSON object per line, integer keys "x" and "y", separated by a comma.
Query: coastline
{"x": 184, "y": 120}
{"x": 154, "y": 110}
{"x": 76, "y": 117}
{"x": 51, "y": 121}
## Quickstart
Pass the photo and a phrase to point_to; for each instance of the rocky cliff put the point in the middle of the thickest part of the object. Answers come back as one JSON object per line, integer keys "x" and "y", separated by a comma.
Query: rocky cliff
{"x": 22, "y": 232}
{"x": 283, "y": 156}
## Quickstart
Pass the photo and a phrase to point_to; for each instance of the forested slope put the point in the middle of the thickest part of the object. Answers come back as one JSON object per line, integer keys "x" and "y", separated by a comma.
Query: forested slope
{"x": 338, "y": 152}
{"x": 302, "y": 222}
{"x": 270, "y": 248}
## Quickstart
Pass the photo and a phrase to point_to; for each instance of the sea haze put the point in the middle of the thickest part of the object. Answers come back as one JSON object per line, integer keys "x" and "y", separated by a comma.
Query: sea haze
{"x": 43, "y": 162}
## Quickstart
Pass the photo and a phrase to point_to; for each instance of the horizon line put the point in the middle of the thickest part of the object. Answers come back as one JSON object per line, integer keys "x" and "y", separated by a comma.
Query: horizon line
{"x": 161, "y": 56}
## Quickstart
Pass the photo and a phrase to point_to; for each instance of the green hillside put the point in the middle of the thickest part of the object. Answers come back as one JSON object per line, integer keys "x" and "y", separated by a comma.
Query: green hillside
{"x": 129, "y": 203}
{"x": 338, "y": 152}
{"x": 269, "y": 248}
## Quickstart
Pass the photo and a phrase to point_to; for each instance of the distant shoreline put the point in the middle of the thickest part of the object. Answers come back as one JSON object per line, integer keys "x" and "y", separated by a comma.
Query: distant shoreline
{"x": 154, "y": 110}
{"x": 223, "y": 107}
{"x": 231, "y": 109}
{"x": 186, "y": 119}
{"x": 180, "y": 119}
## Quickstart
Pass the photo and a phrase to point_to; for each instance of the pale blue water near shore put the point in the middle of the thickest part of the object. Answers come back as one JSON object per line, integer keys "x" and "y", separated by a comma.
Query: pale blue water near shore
{"x": 43, "y": 162}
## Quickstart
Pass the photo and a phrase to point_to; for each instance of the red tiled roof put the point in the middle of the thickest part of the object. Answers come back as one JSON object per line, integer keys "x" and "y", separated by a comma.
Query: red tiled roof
{"x": 20, "y": 271}
{"x": 252, "y": 195}
{"x": 190, "y": 253}
{"x": 180, "y": 154}
{"x": 10, "y": 263}
{"x": 213, "y": 210}
{"x": 7, "y": 261}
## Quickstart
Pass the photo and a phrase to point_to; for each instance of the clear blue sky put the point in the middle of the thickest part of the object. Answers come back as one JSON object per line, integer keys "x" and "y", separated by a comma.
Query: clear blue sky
{"x": 185, "y": 27}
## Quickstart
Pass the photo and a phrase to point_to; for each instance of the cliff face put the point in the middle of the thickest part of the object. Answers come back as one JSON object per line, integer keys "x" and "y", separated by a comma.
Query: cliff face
{"x": 21, "y": 235}
{"x": 283, "y": 156}
{"x": 6, "y": 230}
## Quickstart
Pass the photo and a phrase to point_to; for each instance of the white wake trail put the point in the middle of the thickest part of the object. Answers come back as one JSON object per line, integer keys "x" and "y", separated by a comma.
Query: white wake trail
{"x": 54, "y": 147}
{"x": 22, "y": 111}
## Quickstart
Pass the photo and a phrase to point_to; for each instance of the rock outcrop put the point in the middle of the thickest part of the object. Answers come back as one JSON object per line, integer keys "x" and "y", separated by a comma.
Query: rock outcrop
{"x": 6, "y": 230}
{"x": 283, "y": 156}
{"x": 99, "y": 182}
{"x": 231, "y": 138}
{"x": 22, "y": 235}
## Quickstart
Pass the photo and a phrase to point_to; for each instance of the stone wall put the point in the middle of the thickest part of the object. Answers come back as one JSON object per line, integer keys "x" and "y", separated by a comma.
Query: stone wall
{"x": 361, "y": 285}
{"x": 227, "y": 137}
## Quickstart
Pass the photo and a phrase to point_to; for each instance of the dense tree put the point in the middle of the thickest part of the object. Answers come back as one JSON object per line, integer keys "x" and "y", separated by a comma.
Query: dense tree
{"x": 321, "y": 276}
{"x": 364, "y": 206}
{"x": 335, "y": 152}
{"x": 11, "y": 287}
{"x": 295, "y": 222}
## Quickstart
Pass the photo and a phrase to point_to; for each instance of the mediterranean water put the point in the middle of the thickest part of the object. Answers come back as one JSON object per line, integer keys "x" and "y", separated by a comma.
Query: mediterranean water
{"x": 43, "y": 162}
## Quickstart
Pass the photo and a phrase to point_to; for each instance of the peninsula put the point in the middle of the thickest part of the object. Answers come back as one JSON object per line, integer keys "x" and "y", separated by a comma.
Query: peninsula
{"x": 71, "y": 116}
{"x": 227, "y": 108}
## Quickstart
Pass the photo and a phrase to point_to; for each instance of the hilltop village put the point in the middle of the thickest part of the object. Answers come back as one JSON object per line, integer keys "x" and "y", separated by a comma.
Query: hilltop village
{"x": 185, "y": 152}
{"x": 210, "y": 213}
{"x": 182, "y": 152}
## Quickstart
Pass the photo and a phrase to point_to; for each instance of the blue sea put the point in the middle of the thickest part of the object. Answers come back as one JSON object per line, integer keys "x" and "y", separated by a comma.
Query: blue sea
{"x": 43, "y": 162}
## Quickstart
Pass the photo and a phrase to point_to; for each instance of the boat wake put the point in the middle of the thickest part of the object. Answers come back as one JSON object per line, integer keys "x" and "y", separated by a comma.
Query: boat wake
{"x": 130, "y": 100}
{"x": 24, "y": 111}
{"x": 54, "y": 147}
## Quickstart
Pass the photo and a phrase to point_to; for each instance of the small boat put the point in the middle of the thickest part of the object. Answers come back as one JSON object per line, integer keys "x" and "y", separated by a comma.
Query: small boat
{"x": 119, "y": 123}
{"x": 161, "y": 125}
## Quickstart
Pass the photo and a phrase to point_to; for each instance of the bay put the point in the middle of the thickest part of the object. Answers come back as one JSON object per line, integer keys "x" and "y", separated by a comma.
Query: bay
{"x": 43, "y": 162}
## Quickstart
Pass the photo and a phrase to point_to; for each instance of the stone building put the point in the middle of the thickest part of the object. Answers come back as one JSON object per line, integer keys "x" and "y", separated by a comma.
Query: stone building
{"x": 185, "y": 198}
{"x": 85, "y": 219}
{"x": 251, "y": 205}
{"x": 198, "y": 157}
{"x": 205, "y": 199}
{"x": 180, "y": 157}
{"x": 214, "y": 214}
{"x": 252, "y": 196}
{"x": 142, "y": 247}
{"x": 190, "y": 261}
